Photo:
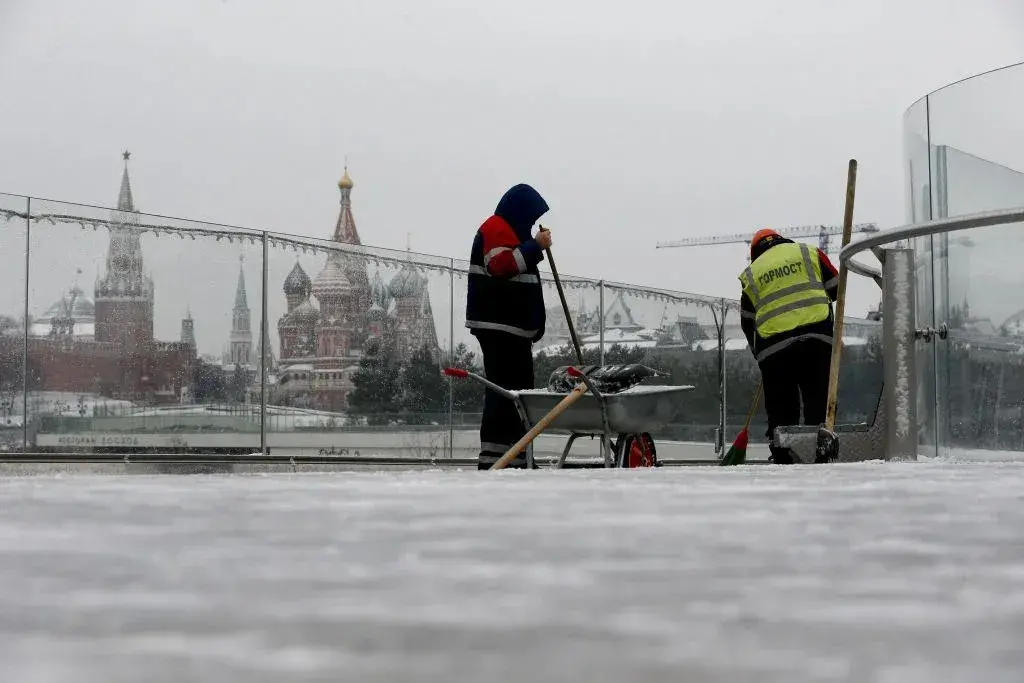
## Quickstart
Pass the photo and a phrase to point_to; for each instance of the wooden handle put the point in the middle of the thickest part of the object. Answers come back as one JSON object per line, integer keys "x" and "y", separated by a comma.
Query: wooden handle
{"x": 573, "y": 396}
{"x": 565, "y": 304}
{"x": 753, "y": 407}
{"x": 837, "y": 334}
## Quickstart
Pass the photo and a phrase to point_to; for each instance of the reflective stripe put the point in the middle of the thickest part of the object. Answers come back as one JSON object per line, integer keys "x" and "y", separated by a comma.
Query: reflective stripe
{"x": 749, "y": 315}
{"x": 520, "y": 261}
{"x": 494, "y": 447}
{"x": 528, "y": 278}
{"x": 751, "y": 282}
{"x": 791, "y": 306}
{"x": 812, "y": 273}
{"x": 833, "y": 282}
{"x": 789, "y": 341}
{"x": 789, "y": 291}
{"x": 498, "y": 327}
{"x": 516, "y": 254}
{"x": 494, "y": 252}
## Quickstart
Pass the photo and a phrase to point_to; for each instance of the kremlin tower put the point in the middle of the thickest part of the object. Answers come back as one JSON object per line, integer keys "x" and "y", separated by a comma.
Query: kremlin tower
{"x": 124, "y": 295}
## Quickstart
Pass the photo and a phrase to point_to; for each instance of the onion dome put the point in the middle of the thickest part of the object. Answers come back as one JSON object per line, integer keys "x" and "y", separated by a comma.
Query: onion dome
{"x": 346, "y": 181}
{"x": 332, "y": 280}
{"x": 297, "y": 283}
{"x": 305, "y": 314}
{"x": 82, "y": 309}
{"x": 407, "y": 283}
{"x": 376, "y": 313}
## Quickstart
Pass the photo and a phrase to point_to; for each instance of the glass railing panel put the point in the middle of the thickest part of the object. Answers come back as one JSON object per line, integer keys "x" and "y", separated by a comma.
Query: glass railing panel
{"x": 679, "y": 334}
{"x": 13, "y": 248}
{"x": 145, "y": 332}
{"x": 977, "y": 164}
{"x": 918, "y": 195}
{"x": 360, "y": 336}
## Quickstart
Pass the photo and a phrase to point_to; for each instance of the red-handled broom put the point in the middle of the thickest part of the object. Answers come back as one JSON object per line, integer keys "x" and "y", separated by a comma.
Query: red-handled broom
{"x": 737, "y": 454}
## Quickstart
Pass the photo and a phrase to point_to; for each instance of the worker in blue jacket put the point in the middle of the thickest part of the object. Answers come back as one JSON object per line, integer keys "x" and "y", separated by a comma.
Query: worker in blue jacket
{"x": 505, "y": 312}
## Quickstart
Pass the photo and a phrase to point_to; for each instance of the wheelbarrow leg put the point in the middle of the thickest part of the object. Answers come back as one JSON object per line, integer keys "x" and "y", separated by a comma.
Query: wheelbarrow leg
{"x": 565, "y": 451}
{"x": 606, "y": 432}
{"x": 526, "y": 427}
{"x": 607, "y": 450}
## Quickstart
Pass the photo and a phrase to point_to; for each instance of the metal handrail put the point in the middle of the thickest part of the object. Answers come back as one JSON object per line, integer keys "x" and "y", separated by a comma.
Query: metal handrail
{"x": 906, "y": 232}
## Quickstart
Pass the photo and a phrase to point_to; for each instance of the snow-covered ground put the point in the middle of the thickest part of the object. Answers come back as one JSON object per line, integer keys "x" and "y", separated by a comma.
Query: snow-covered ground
{"x": 866, "y": 572}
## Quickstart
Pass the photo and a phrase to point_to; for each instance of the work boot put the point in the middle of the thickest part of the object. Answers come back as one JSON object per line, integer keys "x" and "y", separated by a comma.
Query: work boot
{"x": 780, "y": 456}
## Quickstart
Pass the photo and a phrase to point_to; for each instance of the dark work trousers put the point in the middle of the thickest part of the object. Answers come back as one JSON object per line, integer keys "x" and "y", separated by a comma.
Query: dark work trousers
{"x": 798, "y": 371}
{"x": 508, "y": 362}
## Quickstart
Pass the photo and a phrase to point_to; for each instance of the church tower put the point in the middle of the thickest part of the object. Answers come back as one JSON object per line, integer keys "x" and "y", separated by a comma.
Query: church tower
{"x": 124, "y": 295}
{"x": 342, "y": 288}
{"x": 345, "y": 232}
{"x": 240, "y": 339}
{"x": 188, "y": 329}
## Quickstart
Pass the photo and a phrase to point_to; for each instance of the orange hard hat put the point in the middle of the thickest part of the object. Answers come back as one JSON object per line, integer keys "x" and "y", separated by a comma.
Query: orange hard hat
{"x": 761, "y": 235}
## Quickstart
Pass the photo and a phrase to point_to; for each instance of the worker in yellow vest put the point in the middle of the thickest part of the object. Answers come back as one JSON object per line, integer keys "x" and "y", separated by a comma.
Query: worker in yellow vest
{"x": 786, "y": 315}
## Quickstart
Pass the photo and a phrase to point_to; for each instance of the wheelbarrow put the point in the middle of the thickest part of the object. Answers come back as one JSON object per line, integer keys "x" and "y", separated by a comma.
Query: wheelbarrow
{"x": 630, "y": 415}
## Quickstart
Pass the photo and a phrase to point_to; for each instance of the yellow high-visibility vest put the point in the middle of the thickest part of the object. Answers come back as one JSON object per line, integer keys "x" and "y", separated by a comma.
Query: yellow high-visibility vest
{"x": 786, "y": 288}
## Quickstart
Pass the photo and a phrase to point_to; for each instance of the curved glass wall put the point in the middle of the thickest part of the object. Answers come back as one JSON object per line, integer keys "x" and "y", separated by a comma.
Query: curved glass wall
{"x": 964, "y": 153}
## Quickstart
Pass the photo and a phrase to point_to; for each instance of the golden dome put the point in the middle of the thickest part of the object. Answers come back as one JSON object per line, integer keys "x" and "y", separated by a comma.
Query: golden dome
{"x": 346, "y": 182}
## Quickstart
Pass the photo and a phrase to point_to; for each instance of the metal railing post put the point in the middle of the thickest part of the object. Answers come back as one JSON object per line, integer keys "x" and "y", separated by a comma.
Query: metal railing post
{"x": 24, "y": 346}
{"x": 899, "y": 367}
{"x": 600, "y": 305}
{"x": 451, "y": 359}
{"x": 722, "y": 376}
{"x": 264, "y": 352}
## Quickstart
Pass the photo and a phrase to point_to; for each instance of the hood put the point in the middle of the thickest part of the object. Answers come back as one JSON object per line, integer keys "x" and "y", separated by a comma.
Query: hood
{"x": 521, "y": 206}
{"x": 766, "y": 244}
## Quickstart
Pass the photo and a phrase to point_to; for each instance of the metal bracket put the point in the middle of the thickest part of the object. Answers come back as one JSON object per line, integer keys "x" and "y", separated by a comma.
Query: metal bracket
{"x": 928, "y": 334}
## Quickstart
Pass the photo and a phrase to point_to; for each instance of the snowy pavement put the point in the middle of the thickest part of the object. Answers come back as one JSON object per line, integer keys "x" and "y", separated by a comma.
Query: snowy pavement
{"x": 866, "y": 572}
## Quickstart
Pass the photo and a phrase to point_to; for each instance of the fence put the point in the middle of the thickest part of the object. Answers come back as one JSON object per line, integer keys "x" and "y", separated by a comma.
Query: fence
{"x": 121, "y": 330}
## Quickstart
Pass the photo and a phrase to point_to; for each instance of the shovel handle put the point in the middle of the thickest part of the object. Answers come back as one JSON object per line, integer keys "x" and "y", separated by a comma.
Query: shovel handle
{"x": 840, "y": 312}
{"x": 565, "y": 304}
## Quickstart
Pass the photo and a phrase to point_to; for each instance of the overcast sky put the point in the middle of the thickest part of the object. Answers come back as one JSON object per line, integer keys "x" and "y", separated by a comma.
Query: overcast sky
{"x": 639, "y": 122}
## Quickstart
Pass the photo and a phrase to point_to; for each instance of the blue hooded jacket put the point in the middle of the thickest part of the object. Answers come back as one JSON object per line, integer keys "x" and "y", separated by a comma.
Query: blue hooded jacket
{"x": 509, "y": 304}
{"x": 521, "y": 207}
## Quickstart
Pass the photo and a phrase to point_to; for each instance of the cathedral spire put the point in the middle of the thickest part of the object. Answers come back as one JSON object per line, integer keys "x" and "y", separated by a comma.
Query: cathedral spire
{"x": 240, "y": 338}
{"x": 345, "y": 230}
{"x": 241, "y": 300}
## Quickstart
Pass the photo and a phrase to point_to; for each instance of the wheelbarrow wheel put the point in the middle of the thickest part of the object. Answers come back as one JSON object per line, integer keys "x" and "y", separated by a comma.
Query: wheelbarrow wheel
{"x": 636, "y": 450}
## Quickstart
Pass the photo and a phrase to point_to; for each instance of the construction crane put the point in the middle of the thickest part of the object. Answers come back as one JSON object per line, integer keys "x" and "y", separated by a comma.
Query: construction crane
{"x": 822, "y": 232}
